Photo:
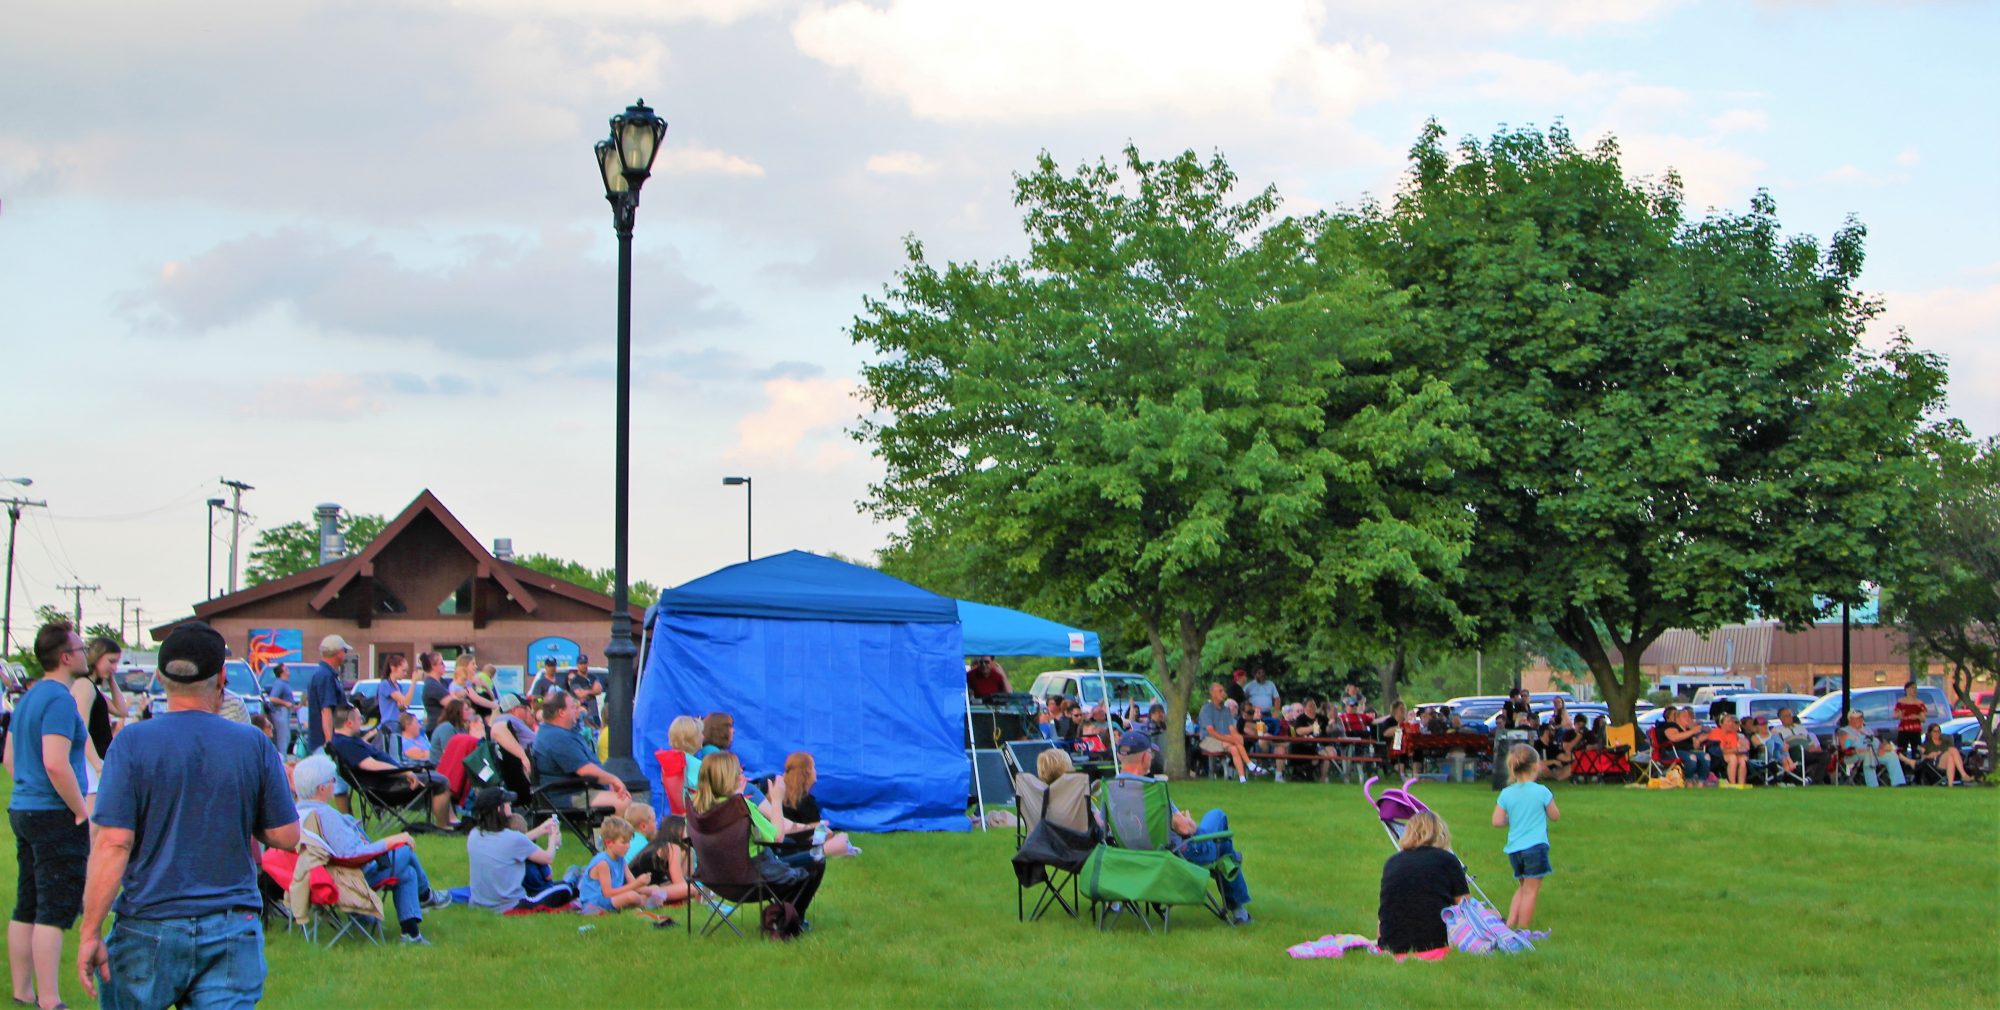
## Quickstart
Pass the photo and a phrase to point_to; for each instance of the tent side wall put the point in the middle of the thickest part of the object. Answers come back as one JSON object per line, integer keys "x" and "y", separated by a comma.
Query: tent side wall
{"x": 879, "y": 706}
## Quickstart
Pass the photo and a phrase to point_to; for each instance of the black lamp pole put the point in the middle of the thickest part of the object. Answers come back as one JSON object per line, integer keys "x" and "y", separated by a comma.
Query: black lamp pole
{"x": 749, "y": 515}
{"x": 625, "y": 160}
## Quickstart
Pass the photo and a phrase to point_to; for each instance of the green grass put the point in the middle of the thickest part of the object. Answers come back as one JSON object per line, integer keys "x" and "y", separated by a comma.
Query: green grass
{"x": 1767, "y": 898}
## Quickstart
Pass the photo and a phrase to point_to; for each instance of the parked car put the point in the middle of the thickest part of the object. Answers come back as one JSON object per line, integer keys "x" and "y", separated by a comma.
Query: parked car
{"x": 237, "y": 680}
{"x": 1962, "y": 732}
{"x": 1089, "y": 687}
{"x": 1877, "y": 706}
{"x": 1474, "y": 709}
{"x": 1760, "y": 704}
{"x": 1980, "y": 703}
{"x": 368, "y": 688}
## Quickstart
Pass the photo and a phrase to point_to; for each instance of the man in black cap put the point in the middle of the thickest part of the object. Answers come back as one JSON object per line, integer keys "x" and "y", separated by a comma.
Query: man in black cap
{"x": 181, "y": 798}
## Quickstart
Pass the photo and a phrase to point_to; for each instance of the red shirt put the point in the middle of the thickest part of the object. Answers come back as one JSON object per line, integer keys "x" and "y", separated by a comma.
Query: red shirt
{"x": 985, "y": 682}
{"x": 1910, "y": 715}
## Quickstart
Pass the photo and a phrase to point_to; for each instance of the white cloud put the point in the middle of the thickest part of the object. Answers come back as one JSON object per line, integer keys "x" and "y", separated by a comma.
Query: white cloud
{"x": 1042, "y": 60}
{"x": 1562, "y": 17}
{"x": 697, "y": 160}
{"x": 901, "y": 163}
{"x": 720, "y": 12}
{"x": 1908, "y": 158}
{"x": 1963, "y": 324}
{"x": 1740, "y": 121}
{"x": 1712, "y": 175}
{"x": 803, "y": 423}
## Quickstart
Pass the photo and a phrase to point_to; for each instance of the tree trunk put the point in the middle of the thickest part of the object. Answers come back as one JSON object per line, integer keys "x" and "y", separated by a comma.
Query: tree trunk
{"x": 1392, "y": 675}
{"x": 1621, "y": 692}
{"x": 1178, "y": 694}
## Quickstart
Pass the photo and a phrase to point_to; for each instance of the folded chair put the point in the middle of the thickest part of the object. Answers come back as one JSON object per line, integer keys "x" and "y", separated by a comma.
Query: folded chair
{"x": 1053, "y": 837}
{"x": 1136, "y": 870}
{"x": 567, "y": 799}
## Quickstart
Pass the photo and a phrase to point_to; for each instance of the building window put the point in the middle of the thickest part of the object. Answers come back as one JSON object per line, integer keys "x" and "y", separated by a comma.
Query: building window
{"x": 1881, "y": 676}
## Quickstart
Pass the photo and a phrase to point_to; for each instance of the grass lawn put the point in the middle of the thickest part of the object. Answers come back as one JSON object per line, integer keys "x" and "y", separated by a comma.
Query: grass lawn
{"x": 1766, "y": 898}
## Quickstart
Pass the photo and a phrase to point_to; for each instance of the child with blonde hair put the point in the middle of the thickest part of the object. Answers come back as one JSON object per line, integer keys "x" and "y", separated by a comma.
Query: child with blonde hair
{"x": 606, "y": 885}
{"x": 1525, "y": 809}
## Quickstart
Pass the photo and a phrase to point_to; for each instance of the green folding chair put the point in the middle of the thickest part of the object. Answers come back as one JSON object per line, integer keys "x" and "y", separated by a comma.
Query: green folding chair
{"x": 1136, "y": 870}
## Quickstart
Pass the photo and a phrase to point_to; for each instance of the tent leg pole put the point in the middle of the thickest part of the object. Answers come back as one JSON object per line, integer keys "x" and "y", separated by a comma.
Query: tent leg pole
{"x": 972, "y": 755}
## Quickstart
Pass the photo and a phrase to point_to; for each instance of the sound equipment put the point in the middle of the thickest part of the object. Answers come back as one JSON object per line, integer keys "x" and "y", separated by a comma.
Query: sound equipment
{"x": 999, "y": 718}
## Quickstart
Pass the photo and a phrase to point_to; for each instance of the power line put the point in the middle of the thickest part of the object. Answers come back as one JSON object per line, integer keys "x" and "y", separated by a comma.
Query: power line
{"x": 78, "y": 589}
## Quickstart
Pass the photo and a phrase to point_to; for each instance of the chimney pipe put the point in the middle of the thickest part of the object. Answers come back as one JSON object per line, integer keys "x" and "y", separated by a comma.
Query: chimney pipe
{"x": 503, "y": 548}
{"x": 332, "y": 544}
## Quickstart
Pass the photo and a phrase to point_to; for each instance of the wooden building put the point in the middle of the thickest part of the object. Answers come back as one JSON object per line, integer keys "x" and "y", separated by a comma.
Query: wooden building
{"x": 423, "y": 584}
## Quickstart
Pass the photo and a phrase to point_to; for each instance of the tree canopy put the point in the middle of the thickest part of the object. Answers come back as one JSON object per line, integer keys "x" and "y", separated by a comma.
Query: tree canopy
{"x": 293, "y": 547}
{"x": 1948, "y": 604}
{"x": 1177, "y": 406}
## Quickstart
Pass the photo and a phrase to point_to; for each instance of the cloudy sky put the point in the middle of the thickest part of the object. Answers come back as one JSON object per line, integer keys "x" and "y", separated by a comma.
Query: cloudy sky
{"x": 348, "y": 249}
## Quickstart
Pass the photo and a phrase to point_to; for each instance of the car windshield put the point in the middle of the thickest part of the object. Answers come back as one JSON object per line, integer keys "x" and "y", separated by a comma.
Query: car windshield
{"x": 1823, "y": 710}
{"x": 240, "y": 680}
{"x": 1124, "y": 690}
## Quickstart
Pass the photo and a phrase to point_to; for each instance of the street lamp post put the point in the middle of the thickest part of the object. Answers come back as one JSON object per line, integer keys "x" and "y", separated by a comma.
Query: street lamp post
{"x": 748, "y": 514}
{"x": 624, "y": 161}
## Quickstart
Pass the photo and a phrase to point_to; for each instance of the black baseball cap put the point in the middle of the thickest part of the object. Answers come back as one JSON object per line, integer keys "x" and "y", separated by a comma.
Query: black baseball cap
{"x": 1134, "y": 743}
{"x": 197, "y": 649}
{"x": 490, "y": 799}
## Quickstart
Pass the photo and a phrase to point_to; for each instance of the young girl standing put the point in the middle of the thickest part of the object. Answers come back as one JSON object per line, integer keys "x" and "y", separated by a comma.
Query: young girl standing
{"x": 1525, "y": 809}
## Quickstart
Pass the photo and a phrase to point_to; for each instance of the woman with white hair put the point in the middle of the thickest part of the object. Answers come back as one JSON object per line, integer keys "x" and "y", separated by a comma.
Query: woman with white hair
{"x": 394, "y": 856}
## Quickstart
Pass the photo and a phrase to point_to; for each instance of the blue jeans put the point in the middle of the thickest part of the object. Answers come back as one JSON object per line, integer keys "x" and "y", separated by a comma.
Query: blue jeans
{"x": 1236, "y": 890}
{"x": 411, "y": 883}
{"x": 1694, "y": 764}
{"x": 1869, "y": 761}
{"x": 207, "y": 962}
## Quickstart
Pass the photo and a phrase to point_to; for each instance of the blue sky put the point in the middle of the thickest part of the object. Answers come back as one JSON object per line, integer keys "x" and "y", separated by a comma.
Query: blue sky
{"x": 349, "y": 250}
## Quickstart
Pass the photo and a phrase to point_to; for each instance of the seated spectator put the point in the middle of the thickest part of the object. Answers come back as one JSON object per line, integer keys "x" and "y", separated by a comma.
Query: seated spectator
{"x": 1552, "y": 743}
{"x": 1436, "y": 722}
{"x": 1397, "y": 729}
{"x": 383, "y": 773}
{"x": 1792, "y": 740}
{"x": 450, "y": 722}
{"x": 718, "y": 733}
{"x": 684, "y": 735}
{"x": 561, "y": 754}
{"x": 395, "y": 856}
{"x": 1943, "y": 756}
{"x": 1096, "y": 729}
{"x": 1682, "y": 739}
{"x": 1857, "y": 747}
{"x": 1305, "y": 722}
{"x": 720, "y": 802}
{"x": 497, "y": 855}
{"x": 1051, "y": 765}
{"x": 1558, "y": 715}
{"x": 513, "y": 732}
{"x": 1134, "y": 761}
{"x": 605, "y": 886}
{"x": 1419, "y": 882}
{"x": 810, "y": 833}
{"x": 1597, "y": 728}
{"x": 411, "y": 730}
{"x": 1735, "y": 747}
{"x": 1355, "y": 719}
{"x": 1219, "y": 734}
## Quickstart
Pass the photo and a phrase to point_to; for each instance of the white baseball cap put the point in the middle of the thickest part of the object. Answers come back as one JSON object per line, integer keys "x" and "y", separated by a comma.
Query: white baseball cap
{"x": 332, "y": 644}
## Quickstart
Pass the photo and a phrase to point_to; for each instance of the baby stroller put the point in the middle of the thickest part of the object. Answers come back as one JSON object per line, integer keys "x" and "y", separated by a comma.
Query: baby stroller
{"x": 1397, "y": 805}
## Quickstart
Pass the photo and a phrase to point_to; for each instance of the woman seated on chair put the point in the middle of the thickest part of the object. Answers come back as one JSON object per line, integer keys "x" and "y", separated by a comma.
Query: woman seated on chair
{"x": 1943, "y": 756}
{"x": 720, "y": 799}
{"x": 802, "y": 810}
{"x": 1682, "y": 739}
{"x": 1418, "y": 883}
{"x": 1735, "y": 750}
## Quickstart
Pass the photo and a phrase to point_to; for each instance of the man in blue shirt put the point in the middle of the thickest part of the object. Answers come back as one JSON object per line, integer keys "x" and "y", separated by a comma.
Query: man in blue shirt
{"x": 560, "y": 752}
{"x": 279, "y": 702}
{"x": 323, "y": 692}
{"x": 382, "y": 774}
{"x": 181, "y": 798}
{"x": 48, "y": 814}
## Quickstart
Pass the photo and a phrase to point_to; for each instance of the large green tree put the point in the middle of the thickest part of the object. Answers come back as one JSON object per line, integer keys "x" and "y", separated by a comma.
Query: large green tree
{"x": 1177, "y": 406}
{"x": 641, "y": 593}
{"x": 293, "y": 547}
{"x": 1948, "y": 605}
{"x": 1683, "y": 427}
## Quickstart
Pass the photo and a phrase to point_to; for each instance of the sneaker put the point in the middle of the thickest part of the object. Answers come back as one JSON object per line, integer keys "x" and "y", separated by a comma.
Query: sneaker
{"x": 435, "y": 898}
{"x": 1243, "y": 780}
{"x": 1240, "y": 917}
{"x": 416, "y": 940}
{"x": 853, "y": 849}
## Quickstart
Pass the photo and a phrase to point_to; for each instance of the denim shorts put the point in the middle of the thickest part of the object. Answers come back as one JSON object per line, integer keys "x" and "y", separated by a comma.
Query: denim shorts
{"x": 1531, "y": 863}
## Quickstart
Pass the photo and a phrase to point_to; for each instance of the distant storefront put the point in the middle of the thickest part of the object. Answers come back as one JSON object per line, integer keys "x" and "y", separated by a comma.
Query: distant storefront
{"x": 424, "y": 584}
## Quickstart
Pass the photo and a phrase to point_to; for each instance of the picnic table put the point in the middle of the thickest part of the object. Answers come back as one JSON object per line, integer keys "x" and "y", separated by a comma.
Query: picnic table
{"x": 1349, "y": 753}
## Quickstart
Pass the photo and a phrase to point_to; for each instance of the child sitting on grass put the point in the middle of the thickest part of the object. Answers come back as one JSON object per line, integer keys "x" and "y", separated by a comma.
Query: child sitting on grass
{"x": 1525, "y": 809}
{"x": 606, "y": 886}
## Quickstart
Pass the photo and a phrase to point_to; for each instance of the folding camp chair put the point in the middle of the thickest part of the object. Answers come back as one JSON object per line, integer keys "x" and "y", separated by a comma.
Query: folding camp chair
{"x": 1053, "y": 837}
{"x": 723, "y": 875}
{"x": 325, "y": 910}
{"x": 1658, "y": 759}
{"x": 1136, "y": 869}
{"x": 567, "y": 799}
{"x": 386, "y": 796}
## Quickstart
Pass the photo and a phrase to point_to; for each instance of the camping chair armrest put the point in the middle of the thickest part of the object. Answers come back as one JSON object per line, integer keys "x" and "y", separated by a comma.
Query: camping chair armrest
{"x": 1210, "y": 837}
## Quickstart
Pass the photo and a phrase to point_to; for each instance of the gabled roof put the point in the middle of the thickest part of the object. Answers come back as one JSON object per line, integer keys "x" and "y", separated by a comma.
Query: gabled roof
{"x": 426, "y": 504}
{"x": 265, "y": 590}
{"x": 568, "y": 590}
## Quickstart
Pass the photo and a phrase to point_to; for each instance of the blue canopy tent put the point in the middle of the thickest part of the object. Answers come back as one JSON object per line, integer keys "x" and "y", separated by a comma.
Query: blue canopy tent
{"x": 862, "y": 669}
{"x": 997, "y": 631}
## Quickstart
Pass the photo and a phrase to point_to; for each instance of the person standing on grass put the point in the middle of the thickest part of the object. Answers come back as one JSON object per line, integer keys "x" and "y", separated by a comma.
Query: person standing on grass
{"x": 1910, "y": 713}
{"x": 279, "y": 701}
{"x": 45, "y": 756}
{"x": 182, "y": 798}
{"x": 323, "y": 692}
{"x": 1525, "y": 809}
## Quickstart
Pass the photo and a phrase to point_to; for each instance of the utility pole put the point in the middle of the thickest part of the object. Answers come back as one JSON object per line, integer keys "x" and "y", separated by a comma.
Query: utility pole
{"x": 235, "y": 523}
{"x": 122, "y": 601}
{"x": 14, "y": 507}
{"x": 78, "y": 588}
{"x": 138, "y": 626}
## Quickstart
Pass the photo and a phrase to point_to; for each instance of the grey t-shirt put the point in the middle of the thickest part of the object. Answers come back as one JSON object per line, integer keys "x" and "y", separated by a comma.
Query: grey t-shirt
{"x": 440, "y": 736}
{"x": 496, "y": 861}
{"x": 1262, "y": 693}
{"x": 1213, "y": 715}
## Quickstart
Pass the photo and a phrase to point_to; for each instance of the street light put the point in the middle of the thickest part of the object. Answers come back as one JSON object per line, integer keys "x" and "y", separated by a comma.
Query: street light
{"x": 23, "y": 481}
{"x": 747, "y": 494}
{"x": 624, "y": 161}
{"x": 213, "y": 504}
